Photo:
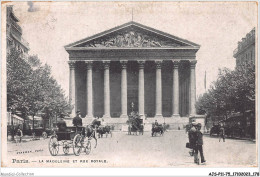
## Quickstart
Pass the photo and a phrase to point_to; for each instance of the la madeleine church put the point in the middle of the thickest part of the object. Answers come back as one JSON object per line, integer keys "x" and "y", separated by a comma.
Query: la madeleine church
{"x": 133, "y": 67}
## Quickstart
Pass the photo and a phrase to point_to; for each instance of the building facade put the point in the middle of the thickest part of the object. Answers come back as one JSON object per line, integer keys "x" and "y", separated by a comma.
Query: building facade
{"x": 245, "y": 52}
{"x": 133, "y": 67}
{"x": 14, "y": 33}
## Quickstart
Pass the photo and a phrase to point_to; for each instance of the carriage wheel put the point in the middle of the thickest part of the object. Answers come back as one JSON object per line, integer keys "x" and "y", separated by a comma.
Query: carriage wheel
{"x": 44, "y": 135}
{"x": 66, "y": 148}
{"x": 88, "y": 148}
{"x": 53, "y": 146}
{"x": 77, "y": 144}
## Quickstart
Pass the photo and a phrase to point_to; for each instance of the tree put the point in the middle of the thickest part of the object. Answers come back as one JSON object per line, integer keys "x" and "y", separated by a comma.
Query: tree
{"x": 18, "y": 76}
{"x": 31, "y": 89}
{"x": 233, "y": 91}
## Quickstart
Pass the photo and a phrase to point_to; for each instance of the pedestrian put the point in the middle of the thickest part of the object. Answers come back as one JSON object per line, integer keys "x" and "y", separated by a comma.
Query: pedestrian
{"x": 192, "y": 137}
{"x": 199, "y": 145}
{"x": 222, "y": 133}
{"x": 156, "y": 123}
{"x": 77, "y": 121}
{"x": 18, "y": 135}
{"x": 61, "y": 124}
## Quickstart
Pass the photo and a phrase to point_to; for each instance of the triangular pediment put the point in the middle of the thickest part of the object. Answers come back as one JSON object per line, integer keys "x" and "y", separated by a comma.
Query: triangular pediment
{"x": 132, "y": 35}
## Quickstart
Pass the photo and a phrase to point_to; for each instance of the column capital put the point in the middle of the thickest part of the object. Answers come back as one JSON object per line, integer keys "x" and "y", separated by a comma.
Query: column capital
{"x": 193, "y": 63}
{"x": 158, "y": 64}
{"x": 72, "y": 64}
{"x": 141, "y": 63}
{"x": 123, "y": 64}
{"x": 89, "y": 64}
{"x": 106, "y": 64}
{"x": 175, "y": 64}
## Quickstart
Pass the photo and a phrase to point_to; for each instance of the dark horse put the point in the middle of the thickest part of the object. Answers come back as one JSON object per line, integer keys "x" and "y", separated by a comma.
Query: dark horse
{"x": 157, "y": 129}
{"x": 104, "y": 130}
{"x": 90, "y": 131}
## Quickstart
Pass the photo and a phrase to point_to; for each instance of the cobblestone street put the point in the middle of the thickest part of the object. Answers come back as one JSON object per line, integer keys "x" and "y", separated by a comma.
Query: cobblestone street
{"x": 146, "y": 151}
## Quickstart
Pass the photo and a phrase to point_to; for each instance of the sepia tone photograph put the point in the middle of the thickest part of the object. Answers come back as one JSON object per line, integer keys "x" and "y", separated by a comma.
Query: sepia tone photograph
{"x": 129, "y": 84}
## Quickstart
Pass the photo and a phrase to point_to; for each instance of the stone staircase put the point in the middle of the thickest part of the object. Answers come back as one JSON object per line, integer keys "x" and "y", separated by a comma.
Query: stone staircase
{"x": 120, "y": 123}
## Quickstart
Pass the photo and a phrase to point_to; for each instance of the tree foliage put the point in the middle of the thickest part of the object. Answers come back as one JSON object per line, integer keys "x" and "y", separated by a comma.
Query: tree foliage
{"x": 31, "y": 89}
{"x": 233, "y": 91}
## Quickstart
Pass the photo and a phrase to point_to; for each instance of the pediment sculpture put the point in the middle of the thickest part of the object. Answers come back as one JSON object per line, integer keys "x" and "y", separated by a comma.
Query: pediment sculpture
{"x": 129, "y": 39}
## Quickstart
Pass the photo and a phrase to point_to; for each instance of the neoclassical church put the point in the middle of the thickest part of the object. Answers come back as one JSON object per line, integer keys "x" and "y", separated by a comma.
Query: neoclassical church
{"x": 133, "y": 67}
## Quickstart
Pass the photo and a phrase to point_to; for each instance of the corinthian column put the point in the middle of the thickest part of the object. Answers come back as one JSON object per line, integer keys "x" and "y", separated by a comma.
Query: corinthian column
{"x": 72, "y": 91}
{"x": 106, "y": 90}
{"x": 158, "y": 109}
{"x": 175, "y": 103}
{"x": 123, "y": 89}
{"x": 89, "y": 90}
{"x": 141, "y": 88}
{"x": 192, "y": 88}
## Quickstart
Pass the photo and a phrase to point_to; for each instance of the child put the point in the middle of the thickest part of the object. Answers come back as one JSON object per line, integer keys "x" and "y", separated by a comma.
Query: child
{"x": 18, "y": 136}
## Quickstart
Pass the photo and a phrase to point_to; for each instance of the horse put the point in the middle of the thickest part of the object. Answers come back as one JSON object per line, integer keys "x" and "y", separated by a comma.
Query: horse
{"x": 104, "y": 130}
{"x": 157, "y": 129}
{"x": 90, "y": 132}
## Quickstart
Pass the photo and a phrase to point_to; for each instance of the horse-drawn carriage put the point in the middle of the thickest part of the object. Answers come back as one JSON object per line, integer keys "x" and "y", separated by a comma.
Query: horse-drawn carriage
{"x": 37, "y": 132}
{"x": 77, "y": 138}
{"x": 135, "y": 124}
{"x": 157, "y": 129}
{"x": 101, "y": 130}
{"x": 41, "y": 132}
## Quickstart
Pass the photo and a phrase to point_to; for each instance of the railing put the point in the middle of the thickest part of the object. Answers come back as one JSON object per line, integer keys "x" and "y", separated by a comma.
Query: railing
{"x": 20, "y": 40}
{"x": 16, "y": 26}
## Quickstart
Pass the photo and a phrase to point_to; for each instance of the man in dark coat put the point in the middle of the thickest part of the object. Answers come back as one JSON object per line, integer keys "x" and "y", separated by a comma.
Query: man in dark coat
{"x": 199, "y": 145}
{"x": 192, "y": 137}
{"x": 77, "y": 121}
{"x": 156, "y": 123}
{"x": 61, "y": 124}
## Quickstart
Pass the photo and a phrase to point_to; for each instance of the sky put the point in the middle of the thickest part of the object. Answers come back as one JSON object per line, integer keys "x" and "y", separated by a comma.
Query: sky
{"x": 216, "y": 26}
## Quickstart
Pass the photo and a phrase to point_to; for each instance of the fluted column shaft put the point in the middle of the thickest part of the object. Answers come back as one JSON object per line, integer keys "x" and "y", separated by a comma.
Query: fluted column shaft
{"x": 89, "y": 90}
{"x": 192, "y": 88}
{"x": 158, "y": 109}
{"x": 106, "y": 90}
{"x": 175, "y": 98}
{"x": 141, "y": 88}
{"x": 123, "y": 89}
{"x": 72, "y": 89}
